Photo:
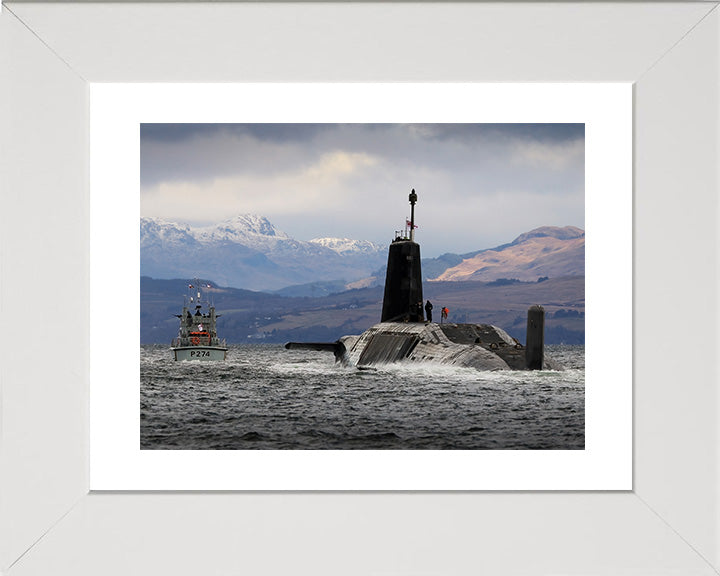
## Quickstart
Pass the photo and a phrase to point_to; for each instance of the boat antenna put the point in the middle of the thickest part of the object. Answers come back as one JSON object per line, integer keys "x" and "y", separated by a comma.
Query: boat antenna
{"x": 210, "y": 296}
{"x": 197, "y": 288}
{"x": 413, "y": 200}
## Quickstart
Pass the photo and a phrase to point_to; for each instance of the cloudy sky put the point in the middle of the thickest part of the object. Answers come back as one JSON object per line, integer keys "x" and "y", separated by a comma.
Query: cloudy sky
{"x": 478, "y": 185}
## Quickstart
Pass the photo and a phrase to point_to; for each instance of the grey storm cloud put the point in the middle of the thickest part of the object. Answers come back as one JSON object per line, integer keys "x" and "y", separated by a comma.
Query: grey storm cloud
{"x": 482, "y": 183}
{"x": 300, "y": 132}
{"x": 184, "y": 132}
{"x": 204, "y": 151}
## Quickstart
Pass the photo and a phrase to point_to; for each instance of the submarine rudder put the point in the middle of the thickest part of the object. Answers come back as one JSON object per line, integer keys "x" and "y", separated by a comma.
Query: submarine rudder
{"x": 535, "y": 339}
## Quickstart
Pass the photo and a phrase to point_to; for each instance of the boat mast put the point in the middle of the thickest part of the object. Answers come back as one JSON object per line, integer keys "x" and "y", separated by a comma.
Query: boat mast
{"x": 413, "y": 200}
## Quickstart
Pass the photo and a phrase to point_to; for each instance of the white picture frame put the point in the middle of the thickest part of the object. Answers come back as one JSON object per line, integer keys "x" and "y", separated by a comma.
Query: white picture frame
{"x": 668, "y": 523}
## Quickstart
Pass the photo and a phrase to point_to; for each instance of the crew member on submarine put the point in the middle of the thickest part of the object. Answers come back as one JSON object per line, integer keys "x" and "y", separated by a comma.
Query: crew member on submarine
{"x": 403, "y": 336}
{"x": 428, "y": 310}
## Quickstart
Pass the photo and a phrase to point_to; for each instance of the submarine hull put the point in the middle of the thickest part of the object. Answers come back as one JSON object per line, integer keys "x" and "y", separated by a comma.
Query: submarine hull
{"x": 479, "y": 346}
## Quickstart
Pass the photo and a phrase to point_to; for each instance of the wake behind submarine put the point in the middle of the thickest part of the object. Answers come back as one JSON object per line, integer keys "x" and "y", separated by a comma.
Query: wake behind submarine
{"x": 403, "y": 335}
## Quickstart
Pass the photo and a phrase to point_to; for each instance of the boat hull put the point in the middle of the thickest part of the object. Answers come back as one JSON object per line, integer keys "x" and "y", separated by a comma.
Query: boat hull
{"x": 199, "y": 353}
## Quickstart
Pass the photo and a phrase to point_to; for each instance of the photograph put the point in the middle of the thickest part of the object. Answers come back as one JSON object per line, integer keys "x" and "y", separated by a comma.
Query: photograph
{"x": 362, "y": 286}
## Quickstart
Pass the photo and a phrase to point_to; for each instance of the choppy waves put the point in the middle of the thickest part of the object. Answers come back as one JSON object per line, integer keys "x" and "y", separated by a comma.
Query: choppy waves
{"x": 264, "y": 397}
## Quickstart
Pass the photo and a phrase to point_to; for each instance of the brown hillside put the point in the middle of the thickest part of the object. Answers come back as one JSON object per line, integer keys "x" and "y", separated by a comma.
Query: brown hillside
{"x": 547, "y": 251}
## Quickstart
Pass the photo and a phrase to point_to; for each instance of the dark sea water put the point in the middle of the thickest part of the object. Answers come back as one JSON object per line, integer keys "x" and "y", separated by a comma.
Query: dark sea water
{"x": 265, "y": 397}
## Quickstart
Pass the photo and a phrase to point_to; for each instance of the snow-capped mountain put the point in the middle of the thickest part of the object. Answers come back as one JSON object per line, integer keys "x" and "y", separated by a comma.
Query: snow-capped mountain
{"x": 248, "y": 229}
{"x": 247, "y": 251}
{"x": 156, "y": 231}
{"x": 347, "y": 246}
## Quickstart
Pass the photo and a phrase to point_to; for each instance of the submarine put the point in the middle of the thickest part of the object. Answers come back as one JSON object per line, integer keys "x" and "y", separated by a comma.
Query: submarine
{"x": 404, "y": 335}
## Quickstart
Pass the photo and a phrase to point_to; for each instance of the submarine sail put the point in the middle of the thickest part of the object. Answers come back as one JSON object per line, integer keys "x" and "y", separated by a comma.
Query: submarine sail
{"x": 403, "y": 298}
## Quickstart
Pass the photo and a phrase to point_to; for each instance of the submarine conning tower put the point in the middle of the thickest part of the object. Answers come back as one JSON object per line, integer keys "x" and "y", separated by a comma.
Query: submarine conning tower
{"x": 403, "y": 299}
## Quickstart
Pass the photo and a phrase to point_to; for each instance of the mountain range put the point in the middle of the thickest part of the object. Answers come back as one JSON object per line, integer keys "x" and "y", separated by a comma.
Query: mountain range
{"x": 248, "y": 252}
{"x": 547, "y": 251}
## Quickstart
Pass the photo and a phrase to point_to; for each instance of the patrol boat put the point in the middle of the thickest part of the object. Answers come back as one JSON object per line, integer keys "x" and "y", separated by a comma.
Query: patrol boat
{"x": 403, "y": 335}
{"x": 197, "y": 336}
